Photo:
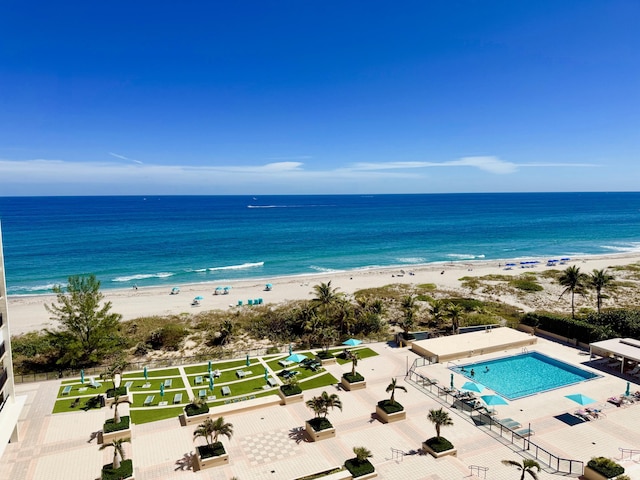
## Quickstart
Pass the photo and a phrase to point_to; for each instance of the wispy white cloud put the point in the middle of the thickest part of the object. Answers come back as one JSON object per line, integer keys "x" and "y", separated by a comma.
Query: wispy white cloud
{"x": 122, "y": 157}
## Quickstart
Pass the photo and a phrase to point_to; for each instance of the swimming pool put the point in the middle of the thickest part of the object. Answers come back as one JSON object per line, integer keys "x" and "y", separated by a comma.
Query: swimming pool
{"x": 523, "y": 375}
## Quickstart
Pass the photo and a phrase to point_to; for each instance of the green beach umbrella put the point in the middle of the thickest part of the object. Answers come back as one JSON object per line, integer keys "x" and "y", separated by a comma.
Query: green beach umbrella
{"x": 209, "y": 366}
{"x": 82, "y": 378}
{"x": 452, "y": 380}
{"x": 247, "y": 361}
{"x": 211, "y": 382}
{"x": 146, "y": 375}
{"x": 162, "y": 389}
{"x": 266, "y": 374}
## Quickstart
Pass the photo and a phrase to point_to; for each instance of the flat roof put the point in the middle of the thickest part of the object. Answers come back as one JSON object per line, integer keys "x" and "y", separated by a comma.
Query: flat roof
{"x": 623, "y": 347}
{"x": 470, "y": 344}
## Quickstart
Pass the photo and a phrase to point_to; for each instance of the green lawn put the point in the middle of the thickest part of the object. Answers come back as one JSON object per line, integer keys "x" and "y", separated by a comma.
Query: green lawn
{"x": 138, "y": 398}
{"x": 320, "y": 381}
{"x": 262, "y": 393}
{"x": 203, "y": 368}
{"x": 154, "y": 414}
{"x": 165, "y": 372}
{"x": 364, "y": 352}
{"x": 64, "y": 405}
{"x": 89, "y": 390}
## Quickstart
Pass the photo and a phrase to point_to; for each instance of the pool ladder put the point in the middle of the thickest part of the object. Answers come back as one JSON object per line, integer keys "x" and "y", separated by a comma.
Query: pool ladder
{"x": 525, "y": 350}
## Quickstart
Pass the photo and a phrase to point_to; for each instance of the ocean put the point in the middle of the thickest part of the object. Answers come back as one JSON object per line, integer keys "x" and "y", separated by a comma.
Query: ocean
{"x": 174, "y": 240}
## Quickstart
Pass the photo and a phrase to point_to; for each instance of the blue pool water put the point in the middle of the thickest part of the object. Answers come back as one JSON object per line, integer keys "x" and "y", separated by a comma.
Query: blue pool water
{"x": 522, "y": 375}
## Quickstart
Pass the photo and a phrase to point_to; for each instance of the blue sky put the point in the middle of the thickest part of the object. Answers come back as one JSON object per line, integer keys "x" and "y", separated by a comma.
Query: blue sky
{"x": 260, "y": 97}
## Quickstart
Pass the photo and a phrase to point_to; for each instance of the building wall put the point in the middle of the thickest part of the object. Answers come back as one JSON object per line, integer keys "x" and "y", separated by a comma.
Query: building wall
{"x": 9, "y": 406}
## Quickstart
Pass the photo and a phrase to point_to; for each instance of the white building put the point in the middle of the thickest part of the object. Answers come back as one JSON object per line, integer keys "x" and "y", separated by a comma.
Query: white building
{"x": 10, "y": 405}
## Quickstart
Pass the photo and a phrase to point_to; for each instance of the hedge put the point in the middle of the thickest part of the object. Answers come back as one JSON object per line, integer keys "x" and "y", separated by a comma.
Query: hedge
{"x": 357, "y": 468}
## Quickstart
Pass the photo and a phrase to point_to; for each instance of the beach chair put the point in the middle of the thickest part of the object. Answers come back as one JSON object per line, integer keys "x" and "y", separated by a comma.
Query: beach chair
{"x": 198, "y": 380}
{"x": 149, "y": 400}
{"x": 93, "y": 383}
{"x": 509, "y": 423}
{"x": 66, "y": 390}
{"x": 168, "y": 382}
{"x": 240, "y": 374}
{"x": 272, "y": 382}
{"x": 177, "y": 398}
{"x": 226, "y": 390}
{"x": 239, "y": 303}
{"x": 202, "y": 393}
{"x": 525, "y": 432}
{"x": 128, "y": 385}
{"x": 249, "y": 302}
{"x": 582, "y": 415}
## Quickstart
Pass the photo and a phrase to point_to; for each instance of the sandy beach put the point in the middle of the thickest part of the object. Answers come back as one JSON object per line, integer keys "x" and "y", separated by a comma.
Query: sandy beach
{"x": 28, "y": 313}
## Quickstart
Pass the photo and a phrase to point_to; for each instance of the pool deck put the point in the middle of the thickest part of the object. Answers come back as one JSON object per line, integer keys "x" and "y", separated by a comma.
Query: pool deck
{"x": 267, "y": 443}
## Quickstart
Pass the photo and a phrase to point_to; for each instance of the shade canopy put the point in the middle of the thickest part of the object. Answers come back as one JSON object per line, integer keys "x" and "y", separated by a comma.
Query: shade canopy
{"x": 199, "y": 297}
{"x": 352, "y": 342}
{"x": 296, "y": 358}
{"x": 175, "y": 289}
{"x": 580, "y": 398}
{"x": 472, "y": 387}
{"x": 494, "y": 400}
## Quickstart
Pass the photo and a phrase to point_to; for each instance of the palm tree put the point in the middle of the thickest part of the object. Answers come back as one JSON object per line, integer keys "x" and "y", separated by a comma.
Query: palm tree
{"x": 392, "y": 388}
{"x": 362, "y": 453}
{"x": 117, "y": 401}
{"x": 353, "y": 356}
{"x": 526, "y": 466}
{"x": 316, "y": 405}
{"x": 330, "y": 402}
{"x": 454, "y": 313}
{"x": 326, "y": 296}
{"x": 598, "y": 280}
{"x": 221, "y": 428}
{"x": 408, "y": 306}
{"x": 573, "y": 281}
{"x": 118, "y": 450}
{"x": 205, "y": 430}
{"x": 439, "y": 418}
{"x": 437, "y": 309}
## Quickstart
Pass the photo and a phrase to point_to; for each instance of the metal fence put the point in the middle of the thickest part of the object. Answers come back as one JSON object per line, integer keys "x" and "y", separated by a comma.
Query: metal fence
{"x": 523, "y": 442}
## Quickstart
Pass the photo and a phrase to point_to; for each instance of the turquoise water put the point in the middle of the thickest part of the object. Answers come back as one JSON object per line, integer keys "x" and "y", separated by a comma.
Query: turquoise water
{"x": 523, "y": 375}
{"x": 167, "y": 241}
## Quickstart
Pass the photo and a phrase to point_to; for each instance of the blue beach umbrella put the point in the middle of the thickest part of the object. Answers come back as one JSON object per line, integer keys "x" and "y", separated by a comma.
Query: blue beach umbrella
{"x": 82, "y": 378}
{"x": 472, "y": 387}
{"x": 199, "y": 297}
{"x": 352, "y": 342}
{"x": 493, "y": 400}
{"x": 211, "y": 382}
{"x": 580, "y": 398}
{"x": 144, "y": 372}
{"x": 162, "y": 389}
{"x": 296, "y": 358}
{"x": 247, "y": 361}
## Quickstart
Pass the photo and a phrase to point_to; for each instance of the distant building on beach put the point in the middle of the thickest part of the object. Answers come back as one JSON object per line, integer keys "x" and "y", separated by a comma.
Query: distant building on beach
{"x": 10, "y": 406}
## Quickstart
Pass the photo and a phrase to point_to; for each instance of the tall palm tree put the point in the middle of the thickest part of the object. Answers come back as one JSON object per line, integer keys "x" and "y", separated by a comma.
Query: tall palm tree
{"x": 221, "y": 428}
{"x": 316, "y": 405}
{"x": 573, "y": 281}
{"x": 326, "y": 296}
{"x": 206, "y": 431}
{"x": 362, "y": 453}
{"x": 439, "y": 418}
{"x": 116, "y": 402}
{"x": 118, "y": 450}
{"x": 354, "y": 357}
{"x": 437, "y": 309}
{"x": 598, "y": 280}
{"x": 409, "y": 307}
{"x": 330, "y": 402}
{"x": 454, "y": 313}
{"x": 392, "y": 388}
{"x": 526, "y": 466}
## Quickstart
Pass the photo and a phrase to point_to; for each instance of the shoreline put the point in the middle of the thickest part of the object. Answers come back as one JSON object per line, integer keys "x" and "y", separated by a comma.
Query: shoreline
{"x": 27, "y": 312}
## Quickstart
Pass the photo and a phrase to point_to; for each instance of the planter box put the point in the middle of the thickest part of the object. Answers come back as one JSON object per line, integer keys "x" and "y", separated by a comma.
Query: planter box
{"x": 210, "y": 462}
{"x": 390, "y": 417}
{"x": 591, "y": 474}
{"x": 108, "y": 401}
{"x": 110, "y": 437}
{"x": 427, "y": 448}
{"x": 347, "y": 385}
{"x": 321, "y": 435}
{"x": 194, "y": 419}
{"x": 287, "y": 400}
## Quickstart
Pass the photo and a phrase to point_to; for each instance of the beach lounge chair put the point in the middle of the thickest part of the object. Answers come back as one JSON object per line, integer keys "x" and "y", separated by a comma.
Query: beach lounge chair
{"x": 202, "y": 393}
{"x": 509, "y": 423}
{"x": 525, "y": 432}
{"x": 128, "y": 385}
{"x": 177, "y": 398}
{"x": 198, "y": 380}
{"x": 615, "y": 401}
{"x": 583, "y": 415}
{"x": 272, "y": 382}
{"x": 66, "y": 390}
{"x": 240, "y": 374}
{"x": 167, "y": 383}
{"x": 284, "y": 363}
{"x": 93, "y": 383}
{"x": 239, "y": 303}
{"x": 249, "y": 302}
{"x": 226, "y": 390}
{"x": 149, "y": 400}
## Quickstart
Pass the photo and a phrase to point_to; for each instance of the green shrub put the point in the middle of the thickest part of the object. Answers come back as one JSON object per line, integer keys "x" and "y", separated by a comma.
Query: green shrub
{"x": 324, "y": 355}
{"x": 353, "y": 378}
{"x": 110, "y": 426}
{"x": 320, "y": 423}
{"x": 289, "y": 390}
{"x": 389, "y": 407}
{"x": 214, "y": 450}
{"x": 192, "y": 410}
{"x": 111, "y": 392}
{"x": 606, "y": 467}
{"x": 526, "y": 285}
{"x": 168, "y": 337}
{"x": 439, "y": 444}
{"x": 125, "y": 470}
{"x": 358, "y": 468}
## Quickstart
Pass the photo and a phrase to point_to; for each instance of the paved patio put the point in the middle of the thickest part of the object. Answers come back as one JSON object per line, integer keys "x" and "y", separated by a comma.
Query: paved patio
{"x": 267, "y": 443}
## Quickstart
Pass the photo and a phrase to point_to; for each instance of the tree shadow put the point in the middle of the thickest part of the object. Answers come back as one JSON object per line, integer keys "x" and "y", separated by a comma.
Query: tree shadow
{"x": 187, "y": 462}
{"x": 94, "y": 435}
{"x": 299, "y": 434}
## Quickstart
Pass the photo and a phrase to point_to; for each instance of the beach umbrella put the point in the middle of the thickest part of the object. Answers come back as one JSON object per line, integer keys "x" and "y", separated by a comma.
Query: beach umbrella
{"x": 266, "y": 374}
{"x": 290, "y": 349}
{"x": 452, "y": 381}
{"x": 162, "y": 389}
{"x": 268, "y": 286}
{"x": 144, "y": 372}
{"x": 82, "y": 378}
{"x": 493, "y": 400}
{"x": 296, "y": 358}
{"x": 175, "y": 290}
{"x": 211, "y": 382}
{"x": 209, "y": 366}
{"x": 472, "y": 387}
{"x": 628, "y": 390}
{"x": 580, "y": 398}
{"x": 352, "y": 342}
{"x": 247, "y": 361}
{"x": 199, "y": 297}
